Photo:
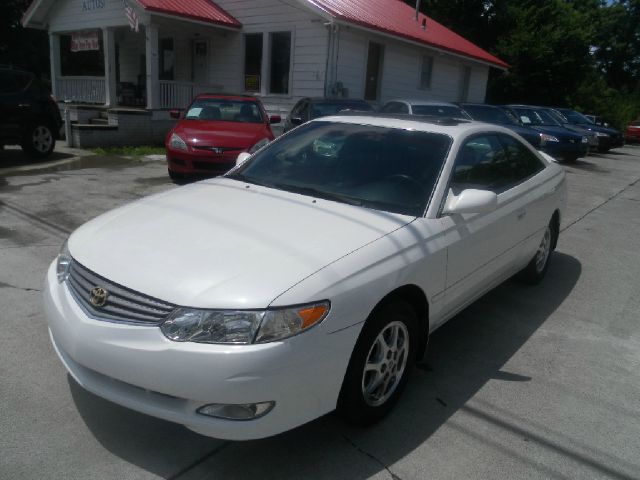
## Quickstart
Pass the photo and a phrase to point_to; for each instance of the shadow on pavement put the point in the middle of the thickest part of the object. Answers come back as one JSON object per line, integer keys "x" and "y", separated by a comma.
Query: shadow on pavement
{"x": 16, "y": 158}
{"x": 464, "y": 355}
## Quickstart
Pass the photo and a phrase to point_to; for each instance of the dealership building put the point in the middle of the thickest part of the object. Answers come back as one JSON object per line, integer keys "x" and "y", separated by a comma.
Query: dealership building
{"x": 118, "y": 66}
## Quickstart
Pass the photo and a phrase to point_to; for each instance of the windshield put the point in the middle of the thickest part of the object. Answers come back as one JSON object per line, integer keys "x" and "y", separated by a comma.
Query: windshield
{"x": 531, "y": 116}
{"x": 489, "y": 114}
{"x": 331, "y": 108}
{"x": 576, "y": 118}
{"x": 224, "y": 110}
{"x": 388, "y": 169}
{"x": 439, "y": 111}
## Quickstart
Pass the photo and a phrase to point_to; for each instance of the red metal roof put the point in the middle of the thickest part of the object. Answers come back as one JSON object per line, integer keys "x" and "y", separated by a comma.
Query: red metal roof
{"x": 202, "y": 10}
{"x": 398, "y": 19}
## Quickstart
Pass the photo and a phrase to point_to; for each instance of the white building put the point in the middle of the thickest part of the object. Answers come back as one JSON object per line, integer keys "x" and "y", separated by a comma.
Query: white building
{"x": 157, "y": 54}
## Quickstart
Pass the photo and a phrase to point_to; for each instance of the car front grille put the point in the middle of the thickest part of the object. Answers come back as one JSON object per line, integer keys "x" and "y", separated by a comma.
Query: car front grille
{"x": 121, "y": 304}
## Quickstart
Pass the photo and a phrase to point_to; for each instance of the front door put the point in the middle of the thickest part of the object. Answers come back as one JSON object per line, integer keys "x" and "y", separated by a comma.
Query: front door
{"x": 374, "y": 71}
{"x": 200, "y": 61}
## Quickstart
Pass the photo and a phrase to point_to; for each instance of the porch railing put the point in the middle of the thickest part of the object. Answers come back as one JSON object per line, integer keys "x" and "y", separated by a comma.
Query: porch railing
{"x": 81, "y": 89}
{"x": 179, "y": 94}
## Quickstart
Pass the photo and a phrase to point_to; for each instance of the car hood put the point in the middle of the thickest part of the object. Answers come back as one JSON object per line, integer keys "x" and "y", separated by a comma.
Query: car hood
{"x": 609, "y": 131}
{"x": 557, "y": 131}
{"x": 224, "y": 244}
{"x": 221, "y": 134}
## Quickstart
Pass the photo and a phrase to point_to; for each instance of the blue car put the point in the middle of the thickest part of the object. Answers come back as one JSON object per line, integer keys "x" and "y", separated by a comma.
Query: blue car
{"x": 557, "y": 141}
{"x": 608, "y": 138}
{"x": 495, "y": 115}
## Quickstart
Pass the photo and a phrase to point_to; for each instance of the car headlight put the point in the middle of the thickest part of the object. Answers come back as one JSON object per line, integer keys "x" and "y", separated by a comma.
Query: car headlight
{"x": 63, "y": 263}
{"x": 242, "y": 326}
{"x": 602, "y": 134}
{"x": 545, "y": 138}
{"x": 585, "y": 139}
{"x": 259, "y": 144}
{"x": 177, "y": 143}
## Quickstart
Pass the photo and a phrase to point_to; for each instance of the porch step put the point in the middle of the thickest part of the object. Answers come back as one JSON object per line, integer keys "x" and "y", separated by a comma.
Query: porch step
{"x": 104, "y": 114}
{"x": 99, "y": 121}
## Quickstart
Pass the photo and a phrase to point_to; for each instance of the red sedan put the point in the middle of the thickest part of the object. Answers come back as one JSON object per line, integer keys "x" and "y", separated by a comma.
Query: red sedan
{"x": 632, "y": 133}
{"x": 213, "y": 131}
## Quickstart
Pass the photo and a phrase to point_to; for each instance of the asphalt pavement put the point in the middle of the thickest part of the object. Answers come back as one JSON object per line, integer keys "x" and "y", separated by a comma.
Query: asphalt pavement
{"x": 528, "y": 382}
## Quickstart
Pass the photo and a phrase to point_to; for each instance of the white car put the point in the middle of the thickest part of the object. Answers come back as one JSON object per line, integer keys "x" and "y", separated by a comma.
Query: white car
{"x": 305, "y": 280}
{"x": 424, "y": 107}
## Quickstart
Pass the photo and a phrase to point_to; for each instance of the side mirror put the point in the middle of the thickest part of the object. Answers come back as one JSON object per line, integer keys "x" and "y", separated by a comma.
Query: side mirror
{"x": 471, "y": 201}
{"x": 296, "y": 120}
{"x": 175, "y": 113}
{"x": 242, "y": 158}
{"x": 275, "y": 119}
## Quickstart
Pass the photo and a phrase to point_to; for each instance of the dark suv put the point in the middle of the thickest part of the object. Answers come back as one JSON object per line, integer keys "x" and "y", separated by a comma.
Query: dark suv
{"x": 29, "y": 116}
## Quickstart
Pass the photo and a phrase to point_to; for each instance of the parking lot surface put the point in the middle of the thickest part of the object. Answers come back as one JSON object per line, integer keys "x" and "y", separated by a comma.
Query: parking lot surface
{"x": 528, "y": 382}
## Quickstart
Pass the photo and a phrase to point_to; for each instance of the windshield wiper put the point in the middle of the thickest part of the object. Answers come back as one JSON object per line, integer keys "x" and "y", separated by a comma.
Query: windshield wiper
{"x": 314, "y": 192}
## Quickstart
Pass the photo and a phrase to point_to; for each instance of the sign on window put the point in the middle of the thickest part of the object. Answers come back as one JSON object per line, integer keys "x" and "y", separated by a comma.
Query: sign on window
{"x": 85, "y": 41}
{"x": 252, "y": 83}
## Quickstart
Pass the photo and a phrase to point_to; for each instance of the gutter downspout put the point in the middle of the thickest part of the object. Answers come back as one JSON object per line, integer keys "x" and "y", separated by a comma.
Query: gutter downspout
{"x": 331, "y": 69}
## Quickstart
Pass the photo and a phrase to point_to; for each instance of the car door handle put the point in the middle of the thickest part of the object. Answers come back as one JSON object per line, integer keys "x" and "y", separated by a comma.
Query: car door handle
{"x": 521, "y": 214}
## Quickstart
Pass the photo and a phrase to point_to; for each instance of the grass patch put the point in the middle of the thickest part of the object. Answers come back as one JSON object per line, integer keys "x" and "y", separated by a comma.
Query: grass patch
{"x": 129, "y": 151}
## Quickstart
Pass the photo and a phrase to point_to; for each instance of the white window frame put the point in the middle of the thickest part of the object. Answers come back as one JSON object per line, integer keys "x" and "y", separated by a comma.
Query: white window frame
{"x": 265, "y": 73}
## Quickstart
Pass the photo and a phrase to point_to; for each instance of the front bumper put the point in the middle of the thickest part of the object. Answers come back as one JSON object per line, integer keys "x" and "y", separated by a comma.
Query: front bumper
{"x": 201, "y": 162}
{"x": 138, "y": 367}
{"x": 566, "y": 150}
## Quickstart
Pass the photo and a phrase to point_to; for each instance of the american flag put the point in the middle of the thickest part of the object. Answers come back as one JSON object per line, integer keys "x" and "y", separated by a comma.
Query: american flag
{"x": 132, "y": 16}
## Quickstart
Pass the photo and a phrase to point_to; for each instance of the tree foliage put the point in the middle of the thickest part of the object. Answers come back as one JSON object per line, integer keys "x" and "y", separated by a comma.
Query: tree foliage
{"x": 22, "y": 47}
{"x": 579, "y": 53}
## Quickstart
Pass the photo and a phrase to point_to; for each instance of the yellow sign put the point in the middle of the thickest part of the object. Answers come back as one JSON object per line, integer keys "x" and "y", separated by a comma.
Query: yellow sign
{"x": 252, "y": 83}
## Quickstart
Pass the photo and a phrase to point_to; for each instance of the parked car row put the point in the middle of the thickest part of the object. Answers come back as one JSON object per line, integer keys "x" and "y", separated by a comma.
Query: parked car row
{"x": 214, "y": 129}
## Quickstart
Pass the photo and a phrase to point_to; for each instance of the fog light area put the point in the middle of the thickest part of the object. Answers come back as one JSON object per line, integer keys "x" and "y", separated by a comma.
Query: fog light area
{"x": 246, "y": 411}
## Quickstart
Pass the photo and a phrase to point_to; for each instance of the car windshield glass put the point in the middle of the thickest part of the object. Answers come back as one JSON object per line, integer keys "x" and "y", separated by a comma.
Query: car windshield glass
{"x": 439, "y": 111}
{"x": 576, "y": 118}
{"x": 324, "y": 109}
{"x": 383, "y": 168}
{"x": 485, "y": 113}
{"x": 224, "y": 110}
{"x": 530, "y": 116}
{"x": 636, "y": 123}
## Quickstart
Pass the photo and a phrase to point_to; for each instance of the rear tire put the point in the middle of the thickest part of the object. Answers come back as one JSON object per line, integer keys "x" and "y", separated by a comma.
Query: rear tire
{"x": 380, "y": 364}
{"x": 39, "y": 141}
{"x": 535, "y": 271}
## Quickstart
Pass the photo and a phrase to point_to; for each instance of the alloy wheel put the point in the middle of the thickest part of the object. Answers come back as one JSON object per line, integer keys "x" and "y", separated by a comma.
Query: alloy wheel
{"x": 385, "y": 364}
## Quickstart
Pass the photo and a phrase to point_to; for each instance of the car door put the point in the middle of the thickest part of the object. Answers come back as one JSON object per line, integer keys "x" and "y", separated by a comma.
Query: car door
{"x": 531, "y": 192}
{"x": 482, "y": 249}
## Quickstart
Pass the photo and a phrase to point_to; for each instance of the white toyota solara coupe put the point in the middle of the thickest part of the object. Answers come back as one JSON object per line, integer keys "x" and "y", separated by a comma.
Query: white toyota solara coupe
{"x": 305, "y": 280}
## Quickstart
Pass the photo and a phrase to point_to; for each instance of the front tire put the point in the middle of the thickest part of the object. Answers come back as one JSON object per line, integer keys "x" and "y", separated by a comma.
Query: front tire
{"x": 535, "y": 271}
{"x": 380, "y": 364}
{"x": 39, "y": 141}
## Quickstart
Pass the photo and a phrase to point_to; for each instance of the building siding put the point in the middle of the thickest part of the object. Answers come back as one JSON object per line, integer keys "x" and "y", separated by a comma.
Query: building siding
{"x": 67, "y": 16}
{"x": 401, "y": 67}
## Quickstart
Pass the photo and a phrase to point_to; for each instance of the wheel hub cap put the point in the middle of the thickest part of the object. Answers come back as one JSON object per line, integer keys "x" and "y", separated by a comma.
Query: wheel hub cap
{"x": 385, "y": 364}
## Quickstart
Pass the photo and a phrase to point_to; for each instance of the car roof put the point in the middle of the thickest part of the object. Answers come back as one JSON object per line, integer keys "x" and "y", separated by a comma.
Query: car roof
{"x": 447, "y": 126}
{"x": 336, "y": 100}
{"x": 417, "y": 101}
{"x": 229, "y": 96}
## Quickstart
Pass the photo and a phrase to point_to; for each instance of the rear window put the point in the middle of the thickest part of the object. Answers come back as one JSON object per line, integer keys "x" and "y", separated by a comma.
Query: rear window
{"x": 331, "y": 108}
{"x": 13, "y": 82}
{"x": 485, "y": 113}
{"x": 438, "y": 111}
{"x": 219, "y": 109}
